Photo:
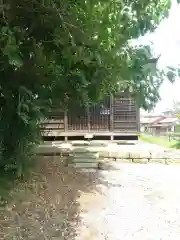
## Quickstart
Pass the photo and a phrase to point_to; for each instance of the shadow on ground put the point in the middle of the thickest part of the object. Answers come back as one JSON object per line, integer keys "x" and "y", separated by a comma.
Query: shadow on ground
{"x": 48, "y": 205}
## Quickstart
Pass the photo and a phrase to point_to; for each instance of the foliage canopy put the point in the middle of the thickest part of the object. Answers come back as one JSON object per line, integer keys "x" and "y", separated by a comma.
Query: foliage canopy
{"x": 53, "y": 52}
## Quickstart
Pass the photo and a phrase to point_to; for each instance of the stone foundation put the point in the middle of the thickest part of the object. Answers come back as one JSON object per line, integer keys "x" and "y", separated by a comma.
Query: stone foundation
{"x": 89, "y": 154}
{"x": 140, "y": 160}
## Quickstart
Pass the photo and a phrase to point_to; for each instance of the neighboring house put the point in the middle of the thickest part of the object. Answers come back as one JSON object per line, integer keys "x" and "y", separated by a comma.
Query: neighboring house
{"x": 165, "y": 125}
{"x": 159, "y": 124}
{"x": 147, "y": 121}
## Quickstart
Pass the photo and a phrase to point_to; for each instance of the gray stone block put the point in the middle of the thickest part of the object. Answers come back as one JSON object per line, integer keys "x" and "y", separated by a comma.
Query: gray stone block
{"x": 45, "y": 149}
{"x": 87, "y": 170}
{"x": 113, "y": 154}
{"x": 140, "y": 160}
{"x": 84, "y": 160}
{"x": 97, "y": 149}
{"x": 84, "y": 165}
{"x": 79, "y": 149}
{"x": 85, "y": 155}
{"x": 172, "y": 161}
{"x": 85, "y": 150}
{"x": 123, "y": 154}
{"x": 124, "y": 160}
{"x": 63, "y": 147}
{"x": 80, "y": 143}
{"x": 104, "y": 154}
{"x": 158, "y": 154}
{"x": 98, "y": 144}
{"x": 157, "y": 160}
{"x": 139, "y": 154}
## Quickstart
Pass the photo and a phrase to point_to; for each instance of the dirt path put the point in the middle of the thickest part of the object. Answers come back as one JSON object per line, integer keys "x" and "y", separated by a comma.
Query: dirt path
{"x": 133, "y": 202}
{"x": 141, "y": 202}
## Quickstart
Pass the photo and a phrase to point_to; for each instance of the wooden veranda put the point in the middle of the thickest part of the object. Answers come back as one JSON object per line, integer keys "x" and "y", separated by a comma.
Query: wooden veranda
{"x": 115, "y": 117}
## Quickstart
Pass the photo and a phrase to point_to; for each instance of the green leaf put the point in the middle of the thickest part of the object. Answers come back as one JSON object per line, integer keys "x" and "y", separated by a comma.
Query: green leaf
{"x": 171, "y": 76}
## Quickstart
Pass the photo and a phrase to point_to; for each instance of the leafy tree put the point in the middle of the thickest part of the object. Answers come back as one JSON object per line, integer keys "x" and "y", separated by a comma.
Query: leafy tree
{"x": 144, "y": 78}
{"x": 54, "y": 52}
{"x": 176, "y": 109}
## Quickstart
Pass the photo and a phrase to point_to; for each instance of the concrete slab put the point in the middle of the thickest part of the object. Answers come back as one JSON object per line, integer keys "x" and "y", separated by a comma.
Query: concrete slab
{"x": 172, "y": 161}
{"x": 140, "y": 160}
{"x": 157, "y": 160}
{"x": 64, "y": 147}
{"x": 84, "y": 149}
{"x": 80, "y": 143}
{"x": 127, "y": 160}
{"x": 104, "y": 154}
{"x": 85, "y": 155}
{"x": 98, "y": 143}
{"x": 123, "y": 154}
{"x": 84, "y": 165}
{"x": 84, "y": 160}
{"x": 140, "y": 154}
{"x": 41, "y": 149}
{"x": 156, "y": 154}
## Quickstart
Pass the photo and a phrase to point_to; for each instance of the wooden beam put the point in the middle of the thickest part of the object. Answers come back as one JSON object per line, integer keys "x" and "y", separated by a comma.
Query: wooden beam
{"x": 88, "y": 118}
{"x": 137, "y": 117}
{"x": 111, "y": 113}
{"x": 65, "y": 121}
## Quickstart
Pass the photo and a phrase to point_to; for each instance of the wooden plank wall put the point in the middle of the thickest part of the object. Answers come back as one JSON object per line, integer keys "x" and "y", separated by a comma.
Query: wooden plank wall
{"x": 114, "y": 114}
{"x": 100, "y": 116}
{"x": 77, "y": 118}
{"x": 54, "y": 124}
{"x": 124, "y": 114}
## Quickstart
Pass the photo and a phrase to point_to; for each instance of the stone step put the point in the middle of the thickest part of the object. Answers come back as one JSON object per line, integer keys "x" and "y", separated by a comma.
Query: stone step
{"x": 107, "y": 165}
{"x": 80, "y": 143}
{"x": 83, "y": 160}
{"x": 84, "y": 165}
{"x": 84, "y": 155}
{"x": 140, "y": 160}
{"x": 98, "y": 144}
{"x": 47, "y": 149}
{"x": 83, "y": 150}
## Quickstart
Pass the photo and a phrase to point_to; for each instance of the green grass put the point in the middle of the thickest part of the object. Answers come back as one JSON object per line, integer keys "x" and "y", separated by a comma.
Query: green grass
{"x": 162, "y": 141}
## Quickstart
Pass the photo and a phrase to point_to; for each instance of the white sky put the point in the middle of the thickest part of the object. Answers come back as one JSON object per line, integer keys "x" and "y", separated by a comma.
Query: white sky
{"x": 166, "y": 40}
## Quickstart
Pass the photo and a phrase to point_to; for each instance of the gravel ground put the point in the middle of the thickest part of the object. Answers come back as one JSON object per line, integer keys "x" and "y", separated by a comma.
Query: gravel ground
{"x": 138, "y": 202}
{"x": 134, "y": 201}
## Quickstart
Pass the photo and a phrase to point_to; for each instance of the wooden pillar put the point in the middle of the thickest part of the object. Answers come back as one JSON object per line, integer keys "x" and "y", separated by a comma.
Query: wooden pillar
{"x": 65, "y": 121}
{"x": 111, "y": 113}
{"x": 137, "y": 117}
{"x": 88, "y": 119}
